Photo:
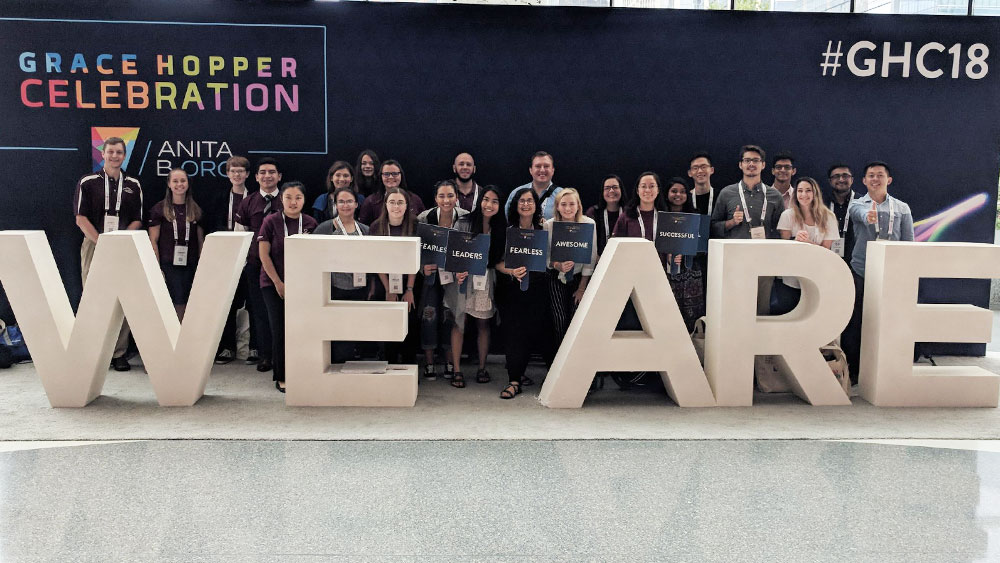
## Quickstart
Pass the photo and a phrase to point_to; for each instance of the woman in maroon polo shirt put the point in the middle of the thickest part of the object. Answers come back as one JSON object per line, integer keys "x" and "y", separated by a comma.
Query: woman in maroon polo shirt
{"x": 277, "y": 226}
{"x": 177, "y": 238}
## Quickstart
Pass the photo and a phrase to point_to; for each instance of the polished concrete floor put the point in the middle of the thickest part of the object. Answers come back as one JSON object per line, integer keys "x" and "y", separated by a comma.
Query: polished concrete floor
{"x": 303, "y": 501}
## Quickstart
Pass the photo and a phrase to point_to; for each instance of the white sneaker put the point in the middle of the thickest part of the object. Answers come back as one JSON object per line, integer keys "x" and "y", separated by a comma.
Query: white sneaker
{"x": 224, "y": 357}
{"x": 449, "y": 371}
{"x": 252, "y": 357}
{"x": 855, "y": 391}
{"x": 429, "y": 373}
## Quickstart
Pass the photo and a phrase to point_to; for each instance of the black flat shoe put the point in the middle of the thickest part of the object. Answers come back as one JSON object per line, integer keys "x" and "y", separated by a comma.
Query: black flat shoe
{"x": 120, "y": 364}
{"x": 277, "y": 385}
{"x": 264, "y": 365}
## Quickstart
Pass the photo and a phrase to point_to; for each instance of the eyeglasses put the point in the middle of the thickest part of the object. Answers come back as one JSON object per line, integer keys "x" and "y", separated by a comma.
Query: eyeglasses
{"x": 611, "y": 188}
{"x": 391, "y": 174}
{"x": 700, "y": 167}
{"x": 393, "y": 203}
{"x": 841, "y": 176}
{"x": 237, "y": 170}
{"x": 779, "y": 166}
{"x": 752, "y": 161}
{"x": 526, "y": 203}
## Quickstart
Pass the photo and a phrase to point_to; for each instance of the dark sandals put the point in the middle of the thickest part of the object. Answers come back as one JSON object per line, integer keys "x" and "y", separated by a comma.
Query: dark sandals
{"x": 482, "y": 376}
{"x": 458, "y": 380}
{"x": 512, "y": 390}
{"x": 527, "y": 381}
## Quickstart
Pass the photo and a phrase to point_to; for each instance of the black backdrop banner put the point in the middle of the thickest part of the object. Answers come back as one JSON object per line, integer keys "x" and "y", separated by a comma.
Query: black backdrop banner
{"x": 189, "y": 82}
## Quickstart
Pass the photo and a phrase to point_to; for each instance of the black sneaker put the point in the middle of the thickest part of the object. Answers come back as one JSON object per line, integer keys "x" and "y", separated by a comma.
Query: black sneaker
{"x": 120, "y": 364}
{"x": 429, "y": 373}
{"x": 449, "y": 371}
{"x": 224, "y": 357}
{"x": 253, "y": 357}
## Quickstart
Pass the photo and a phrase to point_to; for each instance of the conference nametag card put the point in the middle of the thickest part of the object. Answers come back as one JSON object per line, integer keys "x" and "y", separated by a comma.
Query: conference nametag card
{"x": 527, "y": 248}
{"x": 433, "y": 242}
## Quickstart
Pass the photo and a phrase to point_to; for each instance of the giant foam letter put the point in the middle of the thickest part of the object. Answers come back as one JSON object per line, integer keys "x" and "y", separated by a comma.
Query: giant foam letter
{"x": 313, "y": 320}
{"x": 735, "y": 334}
{"x": 72, "y": 355}
{"x": 893, "y": 321}
{"x": 628, "y": 267}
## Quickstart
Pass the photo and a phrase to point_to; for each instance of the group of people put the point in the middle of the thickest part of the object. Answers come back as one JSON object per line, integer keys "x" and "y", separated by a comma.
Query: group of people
{"x": 372, "y": 198}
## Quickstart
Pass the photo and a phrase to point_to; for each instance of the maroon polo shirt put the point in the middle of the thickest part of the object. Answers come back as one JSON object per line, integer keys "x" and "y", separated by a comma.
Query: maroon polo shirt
{"x": 165, "y": 243}
{"x": 251, "y": 215}
{"x": 468, "y": 202}
{"x": 273, "y": 232}
{"x": 88, "y": 199}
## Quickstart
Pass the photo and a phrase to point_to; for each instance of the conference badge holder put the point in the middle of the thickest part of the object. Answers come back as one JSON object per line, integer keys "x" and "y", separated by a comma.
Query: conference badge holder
{"x": 479, "y": 283}
{"x": 181, "y": 255}
{"x": 360, "y": 279}
{"x": 396, "y": 284}
{"x": 757, "y": 233}
{"x": 110, "y": 223}
{"x": 838, "y": 247}
{"x": 445, "y": 277}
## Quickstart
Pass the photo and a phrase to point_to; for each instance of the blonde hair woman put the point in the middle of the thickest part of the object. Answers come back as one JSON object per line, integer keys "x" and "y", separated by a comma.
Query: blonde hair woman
{"x": 565, "y": 294}
{"x": 806, "y": 220}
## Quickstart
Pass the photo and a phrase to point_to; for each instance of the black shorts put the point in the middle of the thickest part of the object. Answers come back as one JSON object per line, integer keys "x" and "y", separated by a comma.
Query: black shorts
{"x": 179, "y": 281}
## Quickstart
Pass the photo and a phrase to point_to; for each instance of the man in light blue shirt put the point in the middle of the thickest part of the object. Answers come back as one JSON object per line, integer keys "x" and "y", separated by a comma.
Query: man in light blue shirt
{"x": 874, "y": 216}
{"x": 542, "y": 169}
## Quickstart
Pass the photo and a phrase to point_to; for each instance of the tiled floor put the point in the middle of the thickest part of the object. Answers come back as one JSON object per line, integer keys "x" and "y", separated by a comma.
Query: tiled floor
{"x": 500, "y": 500}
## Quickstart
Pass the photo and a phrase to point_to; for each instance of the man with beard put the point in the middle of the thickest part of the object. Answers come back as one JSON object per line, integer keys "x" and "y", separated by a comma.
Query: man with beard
{"x": 749, "y": 208}
{"x": 841, "y": 195}
{"x": 468, "y": 190}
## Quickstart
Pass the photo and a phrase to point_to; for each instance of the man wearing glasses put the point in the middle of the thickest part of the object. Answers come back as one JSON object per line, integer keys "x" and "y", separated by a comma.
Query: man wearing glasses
{"x": 253, "y": 210}
{"x": 700, "y": 170}
{"x": 841, "y": 196}
{"x": 750, "y": 208}
{"x": 783, "y": 171}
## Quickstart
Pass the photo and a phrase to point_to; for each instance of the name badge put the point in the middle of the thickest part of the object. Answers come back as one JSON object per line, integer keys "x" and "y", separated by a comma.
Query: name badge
{"x": 180, "y": 256}
{"x": 360, "y": 279}
{"x": 838, "y": 247}
{"x": 110, "y": 224}
{"x": 757, "y": 233}
{"x": 396, "y": 283}
{"x": 479, "y": 282}
{"x": 446, "y": 277}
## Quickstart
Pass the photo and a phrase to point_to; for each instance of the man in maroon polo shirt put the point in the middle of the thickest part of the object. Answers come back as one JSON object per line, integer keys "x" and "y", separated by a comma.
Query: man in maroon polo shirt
{"x": 103, "y": 202}
{"x": 468, "y": 190}
{"x": 252, "y": 211}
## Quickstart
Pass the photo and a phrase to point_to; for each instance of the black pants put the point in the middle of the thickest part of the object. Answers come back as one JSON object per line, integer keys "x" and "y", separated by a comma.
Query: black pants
{"x": 850, "y": 339}
{"x": 275, "y": 307}
{"x": 260, "y": 333}
{"x": 526, "y": 323}
{"x": 228, "y": 341}
{"x": 561, "y": 302}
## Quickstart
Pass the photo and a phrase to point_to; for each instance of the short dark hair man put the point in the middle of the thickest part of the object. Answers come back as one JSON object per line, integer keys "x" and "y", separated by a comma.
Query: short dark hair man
{"x": 468, "y": 190}
{"x": 841, "y": 195}
{"x": 253, "y": 210}
{"x": 874, "y": 216}
{"x": 700, "y": 171}
{"x": 783, "y": 171}
{"x": 107, "y": 201}
{"x": 748, "y": 208}
{"x": 543, "y": 167}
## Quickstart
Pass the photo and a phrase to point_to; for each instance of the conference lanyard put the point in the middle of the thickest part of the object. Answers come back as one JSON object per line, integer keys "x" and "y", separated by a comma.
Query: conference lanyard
{"x": 763, "y": 208}
{"x": 187, "y": 232}
{"x": 230, "y": 217}
{"x": 642, "y": 226}
{"x": 475, "y": 197}
{"x": 607, "y": 229}
{"x": 892, "y": 214}
{"x": 343, "y": 229}
{"x": 847, "y": 214}
{"x": 711, "y": 198}
{"x": 454, "y": 216}
{"x": 112, "y": 223}
{"x": 284, "y": 223}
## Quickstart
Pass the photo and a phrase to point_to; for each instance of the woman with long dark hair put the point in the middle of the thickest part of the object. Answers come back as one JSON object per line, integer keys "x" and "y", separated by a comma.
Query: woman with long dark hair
{"x": 340, "y": 175}
{"x": 605, "y": 213}
{"x": 478, "y": 302}
{"x": 396, "y": 220}
{"x": 366, "y": 173}
{"x": 177, "y": 238}
{"x": 390, "y": 176}
{"x": 525, "y": 315}
{"x": 687, "y": 284}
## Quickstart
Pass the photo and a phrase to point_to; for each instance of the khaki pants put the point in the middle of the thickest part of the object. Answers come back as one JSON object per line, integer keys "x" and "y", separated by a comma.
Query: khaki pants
{"x": 86, "y": 256}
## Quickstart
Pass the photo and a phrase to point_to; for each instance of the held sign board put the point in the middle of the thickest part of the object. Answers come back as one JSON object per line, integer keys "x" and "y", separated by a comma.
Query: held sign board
{"x": 433, "y": 243}
{"x": 467, "y": 252}
{"x": 679, "y": 233}
{"x": 72, "y": 352}
{"x": 572, "y": 242}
